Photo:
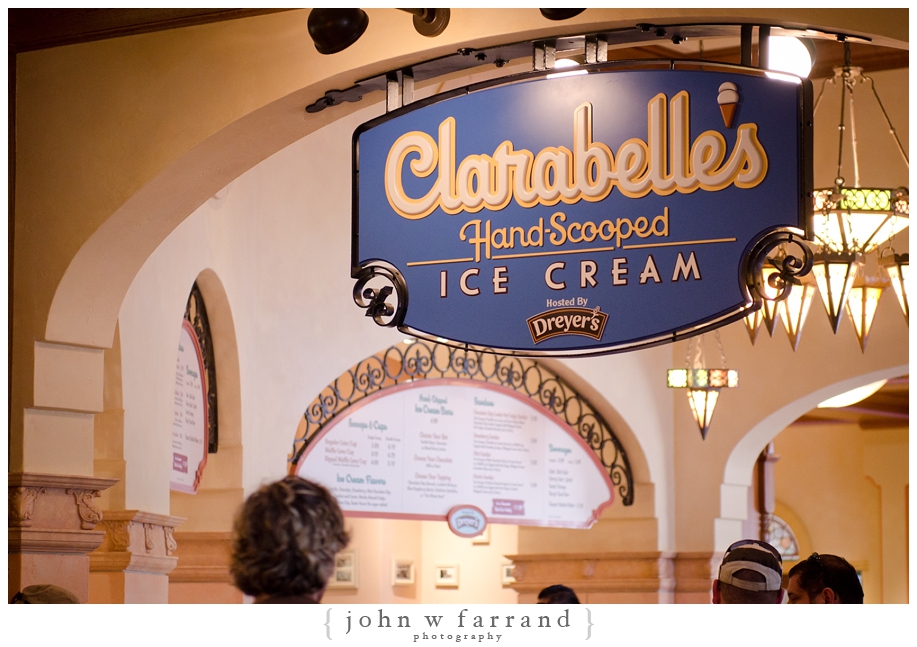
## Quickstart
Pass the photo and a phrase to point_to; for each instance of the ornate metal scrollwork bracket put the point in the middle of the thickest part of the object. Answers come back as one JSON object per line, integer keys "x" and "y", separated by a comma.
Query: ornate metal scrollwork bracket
{"x": 791, "y": 264}
{"x": 336, "y": 97}
{"x": 375, "y": 299}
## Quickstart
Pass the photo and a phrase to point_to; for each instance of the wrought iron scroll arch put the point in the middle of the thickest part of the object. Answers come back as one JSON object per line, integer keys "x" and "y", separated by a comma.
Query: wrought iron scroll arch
{"x": 421, "y": 360}
{"x": 196, "y": 315}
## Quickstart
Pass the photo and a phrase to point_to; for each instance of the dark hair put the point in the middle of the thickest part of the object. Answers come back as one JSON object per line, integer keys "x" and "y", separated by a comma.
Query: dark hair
{"x": 818, "y": 572}
{"x": 558, "y": 594}
{"x": 285, "y": 538}
{"x": 730, "y": 594}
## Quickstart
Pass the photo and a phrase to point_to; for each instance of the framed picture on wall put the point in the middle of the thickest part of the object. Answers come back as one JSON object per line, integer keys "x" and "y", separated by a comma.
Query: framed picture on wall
{"x": 447, "y": 576}
{"x": 506, "y": 574}
{"x": 346, "y": 571}
{"x": 483, "y": 539}
{"x": 402, "y": 572}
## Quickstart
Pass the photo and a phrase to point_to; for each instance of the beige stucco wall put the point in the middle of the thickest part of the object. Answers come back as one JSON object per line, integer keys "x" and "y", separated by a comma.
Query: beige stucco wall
{"x": 845, "y": 487}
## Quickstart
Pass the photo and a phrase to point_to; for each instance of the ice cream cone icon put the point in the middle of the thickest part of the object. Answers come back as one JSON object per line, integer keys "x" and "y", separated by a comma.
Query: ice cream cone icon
{"x": 728, "y": 100}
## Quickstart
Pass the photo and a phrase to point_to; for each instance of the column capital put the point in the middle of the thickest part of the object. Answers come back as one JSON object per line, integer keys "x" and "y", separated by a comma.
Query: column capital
{"x": 54, "y": 513}
{"x": 51, "y": 525}
{"x": 137, "y": 541}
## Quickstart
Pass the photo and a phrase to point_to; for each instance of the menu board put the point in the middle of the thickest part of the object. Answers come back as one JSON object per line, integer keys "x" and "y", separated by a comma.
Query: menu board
{"x": 420, "y": 449}
{"x": 189, "y": 423}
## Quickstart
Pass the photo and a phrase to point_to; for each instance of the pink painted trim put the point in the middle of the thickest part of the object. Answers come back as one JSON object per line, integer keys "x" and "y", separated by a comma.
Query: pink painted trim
{"x": 199, "y": 472}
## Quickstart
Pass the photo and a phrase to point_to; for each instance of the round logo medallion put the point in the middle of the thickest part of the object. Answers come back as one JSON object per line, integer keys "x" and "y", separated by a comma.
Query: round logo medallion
{"x": 466, "y": 520}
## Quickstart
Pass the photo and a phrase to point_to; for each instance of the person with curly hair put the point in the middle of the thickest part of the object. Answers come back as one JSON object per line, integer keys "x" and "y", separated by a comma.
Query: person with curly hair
{"x": 285, "y": 538}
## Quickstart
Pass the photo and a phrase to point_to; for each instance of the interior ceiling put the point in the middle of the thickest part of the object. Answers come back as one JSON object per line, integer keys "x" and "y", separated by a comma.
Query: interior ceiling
{"x": 887, "y": 407}
{"x": 32, "y": 29}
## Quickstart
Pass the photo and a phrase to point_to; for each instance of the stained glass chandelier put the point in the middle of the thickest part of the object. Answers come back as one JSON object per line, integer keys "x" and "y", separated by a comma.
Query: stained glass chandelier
{"x": 850, "y": 222}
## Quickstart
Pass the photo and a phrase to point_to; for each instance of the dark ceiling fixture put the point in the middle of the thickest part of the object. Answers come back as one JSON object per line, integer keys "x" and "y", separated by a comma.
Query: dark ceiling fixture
{"x": 430, "y": 22}
{"x": 625, "y": 42}
{"x": 334, "y": 30}
{"x": 560, "y": 14}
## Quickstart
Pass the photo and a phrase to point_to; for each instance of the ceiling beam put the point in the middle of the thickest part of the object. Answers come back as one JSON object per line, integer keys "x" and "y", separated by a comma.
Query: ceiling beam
{"x": 32, "y": 29}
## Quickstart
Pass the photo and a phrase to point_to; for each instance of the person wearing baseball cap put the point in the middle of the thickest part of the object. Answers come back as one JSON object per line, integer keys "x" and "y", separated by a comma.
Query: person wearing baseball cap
{"x": 751, "y": 573}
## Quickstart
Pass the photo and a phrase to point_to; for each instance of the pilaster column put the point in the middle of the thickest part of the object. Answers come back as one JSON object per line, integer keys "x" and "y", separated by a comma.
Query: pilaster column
{"x": 694, "y": 575}
{"x": 134, "y": 559}
{"x": 52, "y": 521}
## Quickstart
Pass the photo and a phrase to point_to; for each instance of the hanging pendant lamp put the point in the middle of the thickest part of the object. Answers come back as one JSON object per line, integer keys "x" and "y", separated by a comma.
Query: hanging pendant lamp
{"x": 703, "y": 384}
{"x": 852, "y": 221}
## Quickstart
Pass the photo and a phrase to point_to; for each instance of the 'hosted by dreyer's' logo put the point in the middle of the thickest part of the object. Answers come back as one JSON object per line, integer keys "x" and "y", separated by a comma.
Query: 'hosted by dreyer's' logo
{"x": 567, "y": 321}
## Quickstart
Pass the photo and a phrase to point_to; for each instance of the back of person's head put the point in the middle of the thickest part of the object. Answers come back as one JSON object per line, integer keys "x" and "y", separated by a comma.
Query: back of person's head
{"x": 557, "y": 594}
{"x": 285, "y": 538}
{"x": 751, "y": 573}
{"x": 819, "y": 572}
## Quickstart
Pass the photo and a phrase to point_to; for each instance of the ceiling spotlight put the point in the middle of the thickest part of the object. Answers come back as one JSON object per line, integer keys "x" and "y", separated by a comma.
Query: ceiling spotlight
{"x": 334, "y": 30}
{"x": 791, "y": 55}
{"x": 568, "y": 64}
{"x": 430, "y": 22}
{"x": 560, "y": 14}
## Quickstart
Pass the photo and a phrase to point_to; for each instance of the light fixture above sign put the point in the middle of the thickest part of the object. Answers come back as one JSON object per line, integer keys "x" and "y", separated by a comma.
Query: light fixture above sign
{"x": 335, "y": 29}
{"x": 851, "y": 222}
{"x": 791, "y": 55}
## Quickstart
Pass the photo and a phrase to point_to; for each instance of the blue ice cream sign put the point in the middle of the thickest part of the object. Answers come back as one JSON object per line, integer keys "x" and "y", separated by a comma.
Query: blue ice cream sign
{"x": 578, "y": 215}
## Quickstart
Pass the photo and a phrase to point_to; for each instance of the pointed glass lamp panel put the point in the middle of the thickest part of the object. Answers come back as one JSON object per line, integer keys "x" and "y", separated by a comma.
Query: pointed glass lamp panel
{"x": 795, "y": 309}
{"x": 753, "y": 323}
{"x": 861, "y": 308}
{"x": 703, "y": 402}
{"x": 769, "y": 310}
{"x": 834, "y": 275}
{"x": 898, "y": 268}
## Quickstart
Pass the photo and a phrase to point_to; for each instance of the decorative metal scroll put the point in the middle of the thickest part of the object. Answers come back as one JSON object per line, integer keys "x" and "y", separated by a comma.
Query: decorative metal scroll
{"x": 196, "y": 315}
{"x": 792, "y": 263}
{"x": 422, "y": 360}
{"x": 374, "y": 299}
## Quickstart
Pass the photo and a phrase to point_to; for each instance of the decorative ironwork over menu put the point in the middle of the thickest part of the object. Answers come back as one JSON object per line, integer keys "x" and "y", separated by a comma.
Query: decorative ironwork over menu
{"x": 421, "y": 360}
{"x": 196, "y": 315}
